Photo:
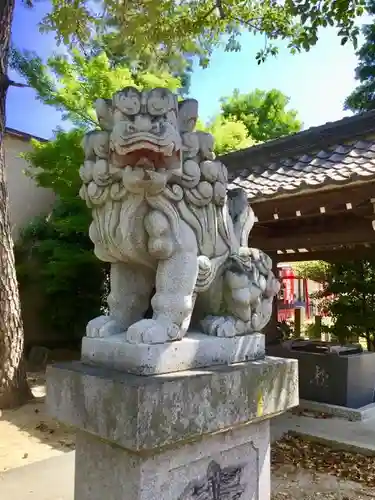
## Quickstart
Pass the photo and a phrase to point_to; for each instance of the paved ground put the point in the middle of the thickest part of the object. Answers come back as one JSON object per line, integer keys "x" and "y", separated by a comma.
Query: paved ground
{"x": 350, "y": 436}
{"x": 52, "y": 479}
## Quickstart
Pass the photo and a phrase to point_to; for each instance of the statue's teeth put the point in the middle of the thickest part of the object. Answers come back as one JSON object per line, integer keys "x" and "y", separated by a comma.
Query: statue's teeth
{"x": 168, "y": 150}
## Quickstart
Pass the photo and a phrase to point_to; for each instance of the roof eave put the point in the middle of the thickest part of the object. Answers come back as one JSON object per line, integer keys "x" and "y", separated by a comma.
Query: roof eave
{"x": 313, "y": 138}
{"x": 24, "y": 136}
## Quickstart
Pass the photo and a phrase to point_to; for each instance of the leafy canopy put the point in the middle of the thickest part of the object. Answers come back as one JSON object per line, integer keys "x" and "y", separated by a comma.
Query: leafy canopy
{"x": 263, "y": 113}
{"x": 177, "y": 64}
{"x": 162, "y": 28}
{"x": 363, "y": 97}
{"x": 55, "y": 164}
{"x": 71, "y": 84}
{"x": 253, "y": 117}
{"x": 352, "y": 285}
{"x": 314, "y": 270}
{"x": 230, "y": 134}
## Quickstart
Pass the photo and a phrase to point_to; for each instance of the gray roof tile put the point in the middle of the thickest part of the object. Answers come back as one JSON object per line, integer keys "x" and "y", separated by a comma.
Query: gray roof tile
{"x": 336, "y": 153}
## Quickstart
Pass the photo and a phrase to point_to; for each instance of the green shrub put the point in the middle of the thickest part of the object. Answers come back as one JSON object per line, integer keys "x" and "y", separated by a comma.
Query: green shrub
{"x": 56, "y": 253}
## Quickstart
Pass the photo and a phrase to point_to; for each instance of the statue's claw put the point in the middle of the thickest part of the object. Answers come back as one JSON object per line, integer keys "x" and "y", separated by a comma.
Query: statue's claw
{"x": 151, "y": 331}
{"x": 219, "y": 326}
{"x": 225, "y": 326}
{"x": 103, "y": 326}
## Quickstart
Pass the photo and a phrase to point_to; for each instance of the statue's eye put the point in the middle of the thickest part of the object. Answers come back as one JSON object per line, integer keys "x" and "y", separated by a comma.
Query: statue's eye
{"x": 129, "y": 105}
{"x": 159, "y": 102}
{"x": 128, "y": 101}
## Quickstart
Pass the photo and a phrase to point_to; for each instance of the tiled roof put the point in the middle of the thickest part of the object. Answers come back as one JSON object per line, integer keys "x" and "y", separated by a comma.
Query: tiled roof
{"x": 336, "y": 153}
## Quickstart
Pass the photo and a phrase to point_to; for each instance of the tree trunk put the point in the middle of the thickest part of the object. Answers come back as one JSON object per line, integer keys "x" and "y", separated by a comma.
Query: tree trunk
{"x": 14, "y": 389}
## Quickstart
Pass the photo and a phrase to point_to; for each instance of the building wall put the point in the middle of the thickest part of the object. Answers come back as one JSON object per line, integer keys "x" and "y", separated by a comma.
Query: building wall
{"x": 26, "y": 199}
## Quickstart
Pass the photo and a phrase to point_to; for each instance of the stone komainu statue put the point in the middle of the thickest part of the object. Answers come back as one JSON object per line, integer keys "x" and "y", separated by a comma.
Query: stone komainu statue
{"x": 175, "y": 236}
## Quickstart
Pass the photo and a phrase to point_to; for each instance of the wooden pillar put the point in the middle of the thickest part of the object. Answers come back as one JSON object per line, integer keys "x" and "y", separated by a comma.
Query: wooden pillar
{"x": 297, "y": 321}
{"x": 270, "y": 330}
{"x": 318, "y": 327}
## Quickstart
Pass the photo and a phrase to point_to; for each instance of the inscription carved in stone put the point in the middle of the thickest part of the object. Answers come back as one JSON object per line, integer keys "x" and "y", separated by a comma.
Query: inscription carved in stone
{"x": 218, "y": 484}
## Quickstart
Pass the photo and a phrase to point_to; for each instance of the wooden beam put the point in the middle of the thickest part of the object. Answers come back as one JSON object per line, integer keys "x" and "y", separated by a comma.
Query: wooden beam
{"x": 335, "y": 200}
{"x": 332, "y": 255}
{"x": 318, "y": 225}
{"x": 341, "y": 235}
{"x": 364, "y": 209}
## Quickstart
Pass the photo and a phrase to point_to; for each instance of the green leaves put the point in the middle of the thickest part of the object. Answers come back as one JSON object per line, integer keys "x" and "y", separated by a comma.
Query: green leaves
{"x": 348, "y": 296}
{"x": 363, "y": 97}
{"x": 163, "y": 27}
{"x": 247, "y": 119}
{"x": 263, "y": 54}
{"x": 229, "y": 134}
{"x": 316, "y": 270}
{"x": 263, "y": 113}
{"x": 55, "y": 252}
{"x": 55, "y": 164}
{"x": 71, "y": 84}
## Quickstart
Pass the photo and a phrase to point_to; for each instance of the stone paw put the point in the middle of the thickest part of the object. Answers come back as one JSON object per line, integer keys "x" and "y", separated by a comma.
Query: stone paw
{"x": 103, "y": 326}
{"x": 151, "y": 331}
{"x": 220, "y": 326}
{"x": 227, "y": 328}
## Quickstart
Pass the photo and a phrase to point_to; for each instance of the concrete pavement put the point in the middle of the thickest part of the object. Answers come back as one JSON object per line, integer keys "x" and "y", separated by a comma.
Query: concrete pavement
{"x": 50, "y": 479}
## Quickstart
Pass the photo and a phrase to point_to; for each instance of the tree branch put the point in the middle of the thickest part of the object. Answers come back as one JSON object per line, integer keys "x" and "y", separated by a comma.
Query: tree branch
{"x": 209, "y": 12}
{"x": 6, "y": 82}
{"x": 219, "y": 6}
{"x": 18, "y": 84}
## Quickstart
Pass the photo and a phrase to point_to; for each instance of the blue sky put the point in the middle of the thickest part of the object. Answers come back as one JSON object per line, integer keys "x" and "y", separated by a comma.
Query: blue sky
{"x": 317, "y": 82}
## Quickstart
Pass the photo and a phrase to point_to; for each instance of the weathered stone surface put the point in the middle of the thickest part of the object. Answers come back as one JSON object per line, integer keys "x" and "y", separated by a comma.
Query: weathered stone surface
{"x": 193, "y": 351}
{"x": 175, "y": 237}
{"x": 234, "y": 465}
{"x": 144, "y": 413}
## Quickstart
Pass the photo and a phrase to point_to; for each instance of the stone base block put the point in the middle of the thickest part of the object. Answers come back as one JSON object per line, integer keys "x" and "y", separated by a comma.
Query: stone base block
{"x": 194, "y": 351}
{"x": 234, "y": 465}
{"x": 195, "y": 435}
{"x": 146, "y": 413}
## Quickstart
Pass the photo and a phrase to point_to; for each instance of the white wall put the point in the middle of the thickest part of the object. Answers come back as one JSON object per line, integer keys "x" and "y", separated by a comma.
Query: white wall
{"x": 26, "y": 199}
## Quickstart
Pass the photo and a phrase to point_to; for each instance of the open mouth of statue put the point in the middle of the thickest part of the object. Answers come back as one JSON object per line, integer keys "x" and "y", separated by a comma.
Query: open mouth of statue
{"x": 148, "y": 156}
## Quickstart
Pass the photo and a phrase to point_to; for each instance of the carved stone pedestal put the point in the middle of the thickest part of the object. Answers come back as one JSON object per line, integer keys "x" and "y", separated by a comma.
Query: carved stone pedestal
{"x": 199, "y": 434}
